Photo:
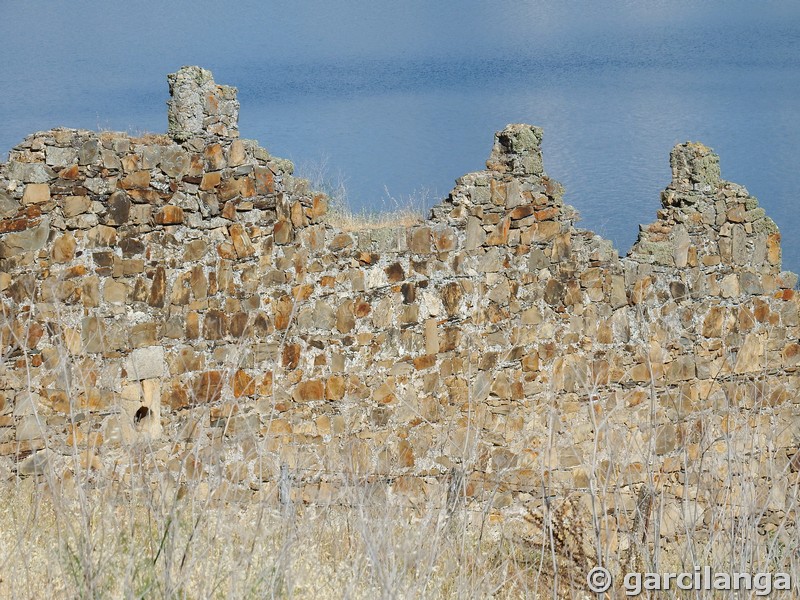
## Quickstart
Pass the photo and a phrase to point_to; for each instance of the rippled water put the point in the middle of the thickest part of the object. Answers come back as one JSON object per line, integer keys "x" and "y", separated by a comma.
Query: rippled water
{"x": 400, "y": 99}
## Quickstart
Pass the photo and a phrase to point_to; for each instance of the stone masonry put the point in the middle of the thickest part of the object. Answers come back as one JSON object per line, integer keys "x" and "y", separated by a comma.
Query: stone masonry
{"x": 193, "y": 275}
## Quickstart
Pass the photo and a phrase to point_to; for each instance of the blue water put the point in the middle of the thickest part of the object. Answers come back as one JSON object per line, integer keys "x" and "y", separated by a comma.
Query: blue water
{"x": 399, "y": 99}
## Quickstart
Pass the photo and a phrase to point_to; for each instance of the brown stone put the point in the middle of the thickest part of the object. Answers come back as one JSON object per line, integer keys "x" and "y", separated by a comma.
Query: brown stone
{"x": 63, "y": 249}
{"x": 214, "y": 325}
{"x": 236, "y": 154}
{"x": 237, "y": 325}
{"x": 159, "y": 288}
{"x": 444, "y": 238}
{"x": 282, "y": 232}
{"x": 283, "y": 312}
{"x": 394, "y": 273}
{"x": 241, "y": 241}
{"x": 362, "y": 308}
{"x": 264, "y": 180}
{"x": 192, "y": 325}
{"x": 229, "y": 210}
{"x": 36, "y": 193}
{"x": 451, "y": 298}
{"x": 90, "y": 292}
{"x": 76, "y": 205}
{"x": 101, "y": 235}
{"x": 238, "y": 187}
{"x": 319, "y": 206}
{"x": 424, "y": 362}
{"x": 115, "y": 292}
{"x": 207, "y": 387}
{"x": 194, "y": 250}
{"x": 198, "y": 283}
{"x": 751, "y": 355}
{"x": 243, "y": 384}
{"x": 169, "y": 215}
{"x": 666, "y": 439}
{"x": 405, "y": 454}
{"x": 340, "y": 242}
{"x": 713, "y": 322}
{"x": 210, "y": 181}
{"x": 420, "y": 240}
{"x": 774, "y": 249}
{"x": 499, "y": 236}
{"x": 118, "y": 208}
{"x": 290, "y": 356}
{"x": 409, "y": 291}
{"x": 308, "y": 391}
{"x": 70, "y": 173}
{"x": 791, "y": 355}
{"x": 33, "y": 238}
{"x": 335, "y": 387}
{"x": 26, "y": 219}
{"x": 143, "y": 334}
{"x": 138, "y": 180}
{"x": 226, "y": 250}
{"x": 214, "y": 157}
{"x": 93, "y": 335}
{"x": 345, "y": 318}
{"x": 297, "y": 215}
{"x": 554, "y": 292}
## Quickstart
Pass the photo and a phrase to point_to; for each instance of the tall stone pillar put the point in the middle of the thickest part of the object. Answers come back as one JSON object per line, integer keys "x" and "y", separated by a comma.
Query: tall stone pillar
{"x": 200, "y": 107}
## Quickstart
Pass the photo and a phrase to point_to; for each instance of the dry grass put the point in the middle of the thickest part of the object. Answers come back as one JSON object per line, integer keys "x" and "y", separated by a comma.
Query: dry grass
{"x": 144, "y": 138}
{"x": 91, "y": 538}
{"x": 388, "y": 212}
{"x": 145, "y": 531}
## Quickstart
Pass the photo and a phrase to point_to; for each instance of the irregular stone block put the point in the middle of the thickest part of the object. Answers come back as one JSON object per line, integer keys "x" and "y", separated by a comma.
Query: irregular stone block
{"x": 207, "y": 387}
{"x": 169, "y": 215}
{"x": 309, "y": 391}
{"x": 29, "y": 240}
{"x": 36, "y": 193}
{"x": 146, "y": 363}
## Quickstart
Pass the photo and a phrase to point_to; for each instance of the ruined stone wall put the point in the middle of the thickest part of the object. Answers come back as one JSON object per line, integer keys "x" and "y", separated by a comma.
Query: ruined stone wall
{"x": 184, "y": 293}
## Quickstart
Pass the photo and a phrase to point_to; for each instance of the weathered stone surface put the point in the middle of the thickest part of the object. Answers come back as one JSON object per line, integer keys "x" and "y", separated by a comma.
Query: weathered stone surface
{"x": 29, "y": 240}
{"x": 309, "y": 391}
{"x": 207, "y": 387}
{"x": 63, "y": 249}
{"x": 158, "y": 289}
{"x": 199, "y": 106}
{"x": 36, "y": 193}
{"x": 93, "y": 332}
{"x": 146, "y": 363}
{"x": 119, "y": 208}
{"x": 241, "y": 241}
{"x": 76, "y": 205}
{"x": 169, "y": 215}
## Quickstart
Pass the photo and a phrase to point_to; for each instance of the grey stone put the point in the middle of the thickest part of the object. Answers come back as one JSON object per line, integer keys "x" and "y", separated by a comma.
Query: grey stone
{"x": 146, "y": 363}
{"x": 30, "y": 172}
{"x": 37, "y": 463}
{"x": 8, "y": 206}
{"x": 89, "y": 152}
{"x": 60, "y": 157}
{"x": 28, "y": 240}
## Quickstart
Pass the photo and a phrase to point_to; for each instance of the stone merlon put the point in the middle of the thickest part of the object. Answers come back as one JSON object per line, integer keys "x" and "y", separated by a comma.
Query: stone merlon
{"x": 200, "y": 107}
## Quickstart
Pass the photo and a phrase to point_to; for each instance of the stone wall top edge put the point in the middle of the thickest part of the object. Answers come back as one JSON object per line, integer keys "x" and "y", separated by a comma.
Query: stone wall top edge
{"x": 701, "y": 213}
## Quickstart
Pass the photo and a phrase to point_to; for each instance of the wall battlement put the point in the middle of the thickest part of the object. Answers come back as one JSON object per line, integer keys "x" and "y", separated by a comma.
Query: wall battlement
{"x": 194, "y": 275}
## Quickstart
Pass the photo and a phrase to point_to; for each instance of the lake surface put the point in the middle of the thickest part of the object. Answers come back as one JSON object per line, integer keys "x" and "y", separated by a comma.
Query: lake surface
{"x": 399, "y": 99}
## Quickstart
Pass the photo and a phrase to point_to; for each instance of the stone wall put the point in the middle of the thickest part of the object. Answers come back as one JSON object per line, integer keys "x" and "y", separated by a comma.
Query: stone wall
{"x": 184, "y": 293}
